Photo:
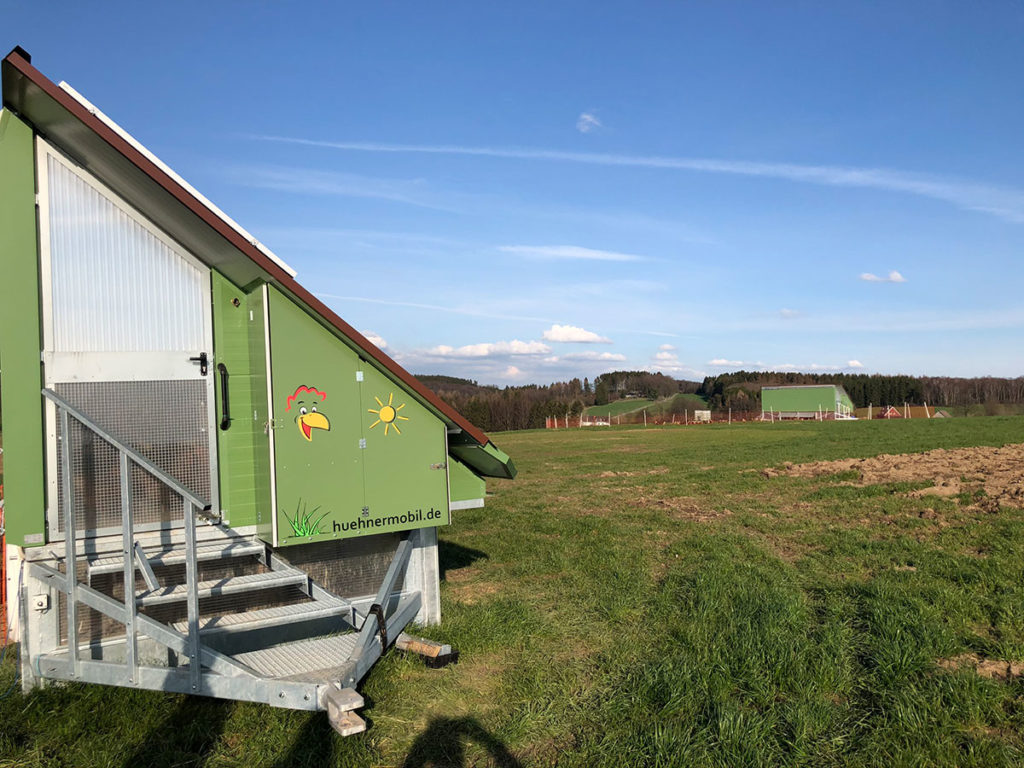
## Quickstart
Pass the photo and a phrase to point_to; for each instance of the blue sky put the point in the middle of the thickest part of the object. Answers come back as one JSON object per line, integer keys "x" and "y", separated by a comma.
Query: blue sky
{"x": 526, "y": 193}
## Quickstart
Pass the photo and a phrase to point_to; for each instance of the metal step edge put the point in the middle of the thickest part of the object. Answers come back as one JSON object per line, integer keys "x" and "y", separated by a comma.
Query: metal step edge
{"x": 226, "y": 586}
{"x": 300, "y": 657}
{"x": 267, "y": 617}
{"x": 109, "y": 545}
{"x": 177, "y": 556}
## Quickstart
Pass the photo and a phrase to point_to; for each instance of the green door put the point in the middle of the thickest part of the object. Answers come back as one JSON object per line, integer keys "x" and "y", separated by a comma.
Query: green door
{"x": 404, "y": 469}
{"x": 318, "y": 473}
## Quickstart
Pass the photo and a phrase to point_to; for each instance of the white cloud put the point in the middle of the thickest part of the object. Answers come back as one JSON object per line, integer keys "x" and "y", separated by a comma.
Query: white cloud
{"x": 721, "y": 362}
{"x": 512, "y": 372}
{"x": 307, "y": 181}
{"x": 667, "y": 361}
{"x": 573, "y": 334}
{"x": 789, "y": 314}
{"x": 587, "y": 122}
{"x": 893, "y": 277}
{"x": 514, "y": 347}
{"x": 610, "y": 357}
{"x": 1004, "y": 202}
{"x": 568, "y": 252}
{"x": 376, "y": 339}
{"x": 815, "y": 366}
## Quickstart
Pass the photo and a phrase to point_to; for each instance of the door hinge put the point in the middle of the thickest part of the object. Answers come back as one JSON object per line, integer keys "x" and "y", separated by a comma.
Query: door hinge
{"x": 359, "y": 375}
{"x": 362, "y": 442}
{"x": 442, "y": 465}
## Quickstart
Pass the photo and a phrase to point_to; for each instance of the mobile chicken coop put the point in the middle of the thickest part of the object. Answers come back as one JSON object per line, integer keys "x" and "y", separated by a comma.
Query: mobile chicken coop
{"x": 214, "y": 485}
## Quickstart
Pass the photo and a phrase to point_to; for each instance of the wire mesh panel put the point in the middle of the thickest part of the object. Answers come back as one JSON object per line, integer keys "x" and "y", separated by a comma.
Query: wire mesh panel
{"x": 165, "y": 421}
{"x": 347, "y": 567}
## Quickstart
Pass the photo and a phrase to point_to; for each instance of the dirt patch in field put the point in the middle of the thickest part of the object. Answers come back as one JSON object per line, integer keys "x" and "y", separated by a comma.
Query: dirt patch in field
{"x": 681, "y": 508}
{"x": 992, "y": 476}
{"x": 993, "y": 669}
{"x": 655, "y": 471}
{"x": 467, "y": 587}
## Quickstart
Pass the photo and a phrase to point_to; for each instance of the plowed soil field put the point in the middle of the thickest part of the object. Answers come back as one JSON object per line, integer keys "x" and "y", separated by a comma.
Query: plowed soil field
{"x": 990, "y": 477}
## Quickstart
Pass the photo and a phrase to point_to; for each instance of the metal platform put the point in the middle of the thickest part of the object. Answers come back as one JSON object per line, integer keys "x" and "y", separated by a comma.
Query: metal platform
{"x": 306, "y": 649}
{"x": 302, "y": 658}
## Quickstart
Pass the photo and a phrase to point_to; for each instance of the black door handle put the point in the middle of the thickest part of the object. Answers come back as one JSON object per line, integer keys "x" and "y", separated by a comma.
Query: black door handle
{"x": 204, "y": 362}
{"x": 225, "y": 405}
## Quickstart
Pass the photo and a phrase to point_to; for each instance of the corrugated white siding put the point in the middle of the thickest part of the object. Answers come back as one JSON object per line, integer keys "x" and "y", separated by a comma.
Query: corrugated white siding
{"x": 116, "y": 286}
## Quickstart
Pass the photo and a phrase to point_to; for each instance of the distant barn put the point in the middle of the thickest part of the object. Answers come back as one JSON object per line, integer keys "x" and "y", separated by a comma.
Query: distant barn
{"x": 815, "y": 401}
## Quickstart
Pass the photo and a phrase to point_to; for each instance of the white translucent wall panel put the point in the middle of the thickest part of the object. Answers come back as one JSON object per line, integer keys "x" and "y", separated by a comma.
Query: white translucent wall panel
{"x": 116, "y": 286}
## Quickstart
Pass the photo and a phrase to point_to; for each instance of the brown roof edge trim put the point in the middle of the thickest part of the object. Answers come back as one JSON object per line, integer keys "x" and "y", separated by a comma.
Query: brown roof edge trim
{"x": 154, "y": 172}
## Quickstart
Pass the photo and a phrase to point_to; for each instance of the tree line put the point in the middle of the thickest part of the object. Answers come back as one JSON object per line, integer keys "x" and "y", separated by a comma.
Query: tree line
{"x": 741, "y": 390}
{"x": 496, "y": 409}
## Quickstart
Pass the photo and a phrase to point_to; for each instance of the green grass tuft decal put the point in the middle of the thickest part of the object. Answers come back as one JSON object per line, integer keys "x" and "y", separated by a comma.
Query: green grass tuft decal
{"x": 305, "y": 522}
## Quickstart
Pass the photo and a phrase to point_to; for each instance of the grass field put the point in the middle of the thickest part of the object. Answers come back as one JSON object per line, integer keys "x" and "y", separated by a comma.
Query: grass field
{"x": 648, "y": 597}
{"x": 619, "y": 407}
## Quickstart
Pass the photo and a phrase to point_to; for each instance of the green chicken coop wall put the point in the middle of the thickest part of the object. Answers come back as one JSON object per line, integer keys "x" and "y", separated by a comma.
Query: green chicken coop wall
{"x": 374, "y": 459}
{"x": 20, "y": 338}
{"x": 464, "y": 483}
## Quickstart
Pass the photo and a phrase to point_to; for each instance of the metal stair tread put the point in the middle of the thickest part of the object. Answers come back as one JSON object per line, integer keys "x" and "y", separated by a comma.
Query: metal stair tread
{"x": 301, "y": 659}
{"x": 176, "y": 555}
{"x": 267, "y": 617}
{"x": 225, "y": 586}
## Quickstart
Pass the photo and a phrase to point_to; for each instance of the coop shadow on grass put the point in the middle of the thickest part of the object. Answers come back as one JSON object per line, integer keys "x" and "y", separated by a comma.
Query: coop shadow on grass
{"x": 452, "y": 557}
{"x": 187, "y": 736}
{"x": 443, "y": 745}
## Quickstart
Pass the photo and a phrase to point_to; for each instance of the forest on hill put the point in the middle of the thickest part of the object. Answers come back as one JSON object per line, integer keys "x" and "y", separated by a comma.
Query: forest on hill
{"x": 741, "y": 390}
{"x": 496, "y": 409}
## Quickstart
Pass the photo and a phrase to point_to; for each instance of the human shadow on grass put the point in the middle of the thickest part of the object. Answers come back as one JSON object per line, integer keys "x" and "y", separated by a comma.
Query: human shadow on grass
{"x": 454, "y": 556}
{"x": 186, "y": 736}
{"x": 443, "y": 745}
{"x": 313, "y": 745}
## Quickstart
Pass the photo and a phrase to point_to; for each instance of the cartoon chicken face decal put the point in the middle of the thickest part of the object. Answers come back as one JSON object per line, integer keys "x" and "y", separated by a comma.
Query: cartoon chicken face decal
{"x": 307, "y": 402}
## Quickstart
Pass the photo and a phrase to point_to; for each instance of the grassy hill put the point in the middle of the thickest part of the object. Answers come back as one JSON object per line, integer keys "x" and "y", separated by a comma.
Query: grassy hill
{"x": 660, "y": 409}
{"x": 619, "y": 407}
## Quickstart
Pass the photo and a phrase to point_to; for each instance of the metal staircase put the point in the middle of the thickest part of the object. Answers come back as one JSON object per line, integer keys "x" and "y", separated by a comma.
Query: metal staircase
{"x": 200, "y": 610}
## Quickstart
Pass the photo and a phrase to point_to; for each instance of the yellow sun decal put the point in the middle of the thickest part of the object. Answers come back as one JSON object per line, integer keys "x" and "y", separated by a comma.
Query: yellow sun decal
{"x": 388, "y": 414}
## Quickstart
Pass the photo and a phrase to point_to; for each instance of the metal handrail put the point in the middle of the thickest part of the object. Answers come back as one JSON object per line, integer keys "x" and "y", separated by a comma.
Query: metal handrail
{"x": 190, "y": 502}
{"x": 137, "y": 457}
